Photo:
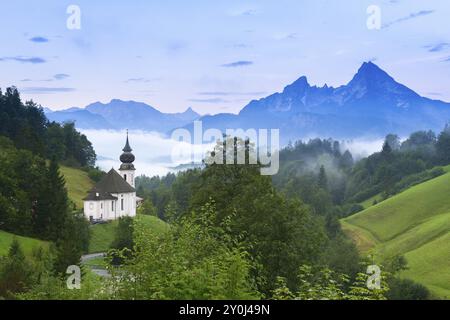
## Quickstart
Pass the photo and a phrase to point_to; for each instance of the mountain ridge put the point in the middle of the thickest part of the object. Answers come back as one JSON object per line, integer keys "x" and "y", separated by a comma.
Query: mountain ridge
{"x": 371, "y": 104}
{"x": 119, "y": 114}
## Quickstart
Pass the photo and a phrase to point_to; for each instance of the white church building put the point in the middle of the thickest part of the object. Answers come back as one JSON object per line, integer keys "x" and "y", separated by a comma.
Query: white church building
{"x": 114, "y": 196}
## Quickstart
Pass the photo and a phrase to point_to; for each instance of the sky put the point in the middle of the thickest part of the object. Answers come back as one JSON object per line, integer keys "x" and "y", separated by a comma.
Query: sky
{"x": 215, "y": 56}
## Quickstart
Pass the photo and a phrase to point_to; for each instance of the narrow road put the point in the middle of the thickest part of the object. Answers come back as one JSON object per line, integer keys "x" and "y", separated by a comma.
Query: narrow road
{"x": 92, "y": 256}
{"x": 97, "y": 270}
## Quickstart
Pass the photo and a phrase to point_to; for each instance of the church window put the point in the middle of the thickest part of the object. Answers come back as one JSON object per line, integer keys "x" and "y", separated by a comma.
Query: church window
{"x": 125, "y": 177}
{"x": 112, "y": 205}
{"x": 121, "y": 204}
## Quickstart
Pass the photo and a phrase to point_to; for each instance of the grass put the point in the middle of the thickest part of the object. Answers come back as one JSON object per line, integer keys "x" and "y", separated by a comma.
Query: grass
{"x": 369, "y": 202}
{"x": 78, "y": 184}
{"x": 363, "y": 239}
{"x": 429, "y": 264}
{"x": 102, "y": 235}
{"x": 414, "y": 223}
{"x": 27, "y": 244}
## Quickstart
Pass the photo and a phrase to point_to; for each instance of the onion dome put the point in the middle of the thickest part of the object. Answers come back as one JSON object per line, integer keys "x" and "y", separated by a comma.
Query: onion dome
{"x": 127, "y": 157}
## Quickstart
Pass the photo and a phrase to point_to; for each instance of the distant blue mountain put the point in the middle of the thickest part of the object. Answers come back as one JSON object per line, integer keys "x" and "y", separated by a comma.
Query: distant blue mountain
{"x": 119, "y": 114}
{"x": 82, "y": 118}
{"x": 371, "y": 104}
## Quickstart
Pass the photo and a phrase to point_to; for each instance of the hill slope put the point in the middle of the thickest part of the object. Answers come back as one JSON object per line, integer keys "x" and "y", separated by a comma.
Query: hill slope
{"x": 78, "y": 184}
{"x": 27, "y": 244}
{"x": 102, "y": 235}
{"x": 414, "y": 223}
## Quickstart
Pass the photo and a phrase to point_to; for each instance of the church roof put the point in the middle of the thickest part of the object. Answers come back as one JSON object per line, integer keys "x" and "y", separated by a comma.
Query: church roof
{"x": 112, "y": 182}
{"x": 94, "y": 195}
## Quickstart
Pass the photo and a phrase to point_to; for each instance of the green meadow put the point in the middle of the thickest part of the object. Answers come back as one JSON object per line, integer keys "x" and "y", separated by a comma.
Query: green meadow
{"x": 414, "y": 223}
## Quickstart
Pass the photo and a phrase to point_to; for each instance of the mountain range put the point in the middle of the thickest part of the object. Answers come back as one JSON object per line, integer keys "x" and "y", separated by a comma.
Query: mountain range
{"x": 372, "y": 104}
{"x": 119, "y": 114}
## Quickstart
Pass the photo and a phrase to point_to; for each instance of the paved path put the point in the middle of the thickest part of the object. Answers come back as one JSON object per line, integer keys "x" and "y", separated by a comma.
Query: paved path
{"x": 92, "y": 256}
{"x": 97, "y": 270}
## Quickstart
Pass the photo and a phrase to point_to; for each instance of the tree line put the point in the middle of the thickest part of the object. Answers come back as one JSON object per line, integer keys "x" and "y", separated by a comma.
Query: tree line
{"x": 28, "y": 128}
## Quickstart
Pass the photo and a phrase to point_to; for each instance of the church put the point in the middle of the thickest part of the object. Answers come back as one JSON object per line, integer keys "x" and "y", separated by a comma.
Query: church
{"x": 114, "y": 196}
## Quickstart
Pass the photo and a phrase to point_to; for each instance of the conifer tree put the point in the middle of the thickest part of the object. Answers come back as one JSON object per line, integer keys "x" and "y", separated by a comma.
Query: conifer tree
{"x": 322, "y": 180}
{"x": 58, "y": 209}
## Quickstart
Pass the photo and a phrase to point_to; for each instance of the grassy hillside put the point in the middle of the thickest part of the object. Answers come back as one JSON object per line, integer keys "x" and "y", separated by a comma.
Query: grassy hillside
{"x": 102, "y": 235}
{"x": 27, "y": 244}
{"x": 369, "y": 202}
{"x": 414, "y": 223}
{"x": 78, "y": 184}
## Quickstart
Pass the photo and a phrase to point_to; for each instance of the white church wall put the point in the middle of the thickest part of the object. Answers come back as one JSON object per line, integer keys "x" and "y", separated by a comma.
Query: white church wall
{"x": 103, "y": 209}
{"x": 129, "y": 204}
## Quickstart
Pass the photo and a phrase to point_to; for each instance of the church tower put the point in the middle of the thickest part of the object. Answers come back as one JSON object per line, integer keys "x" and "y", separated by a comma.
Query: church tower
{"x": 127, "y": 168}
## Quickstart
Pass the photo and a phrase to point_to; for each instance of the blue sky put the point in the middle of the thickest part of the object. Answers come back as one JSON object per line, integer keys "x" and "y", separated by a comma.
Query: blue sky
{"x": 215, "y": 55}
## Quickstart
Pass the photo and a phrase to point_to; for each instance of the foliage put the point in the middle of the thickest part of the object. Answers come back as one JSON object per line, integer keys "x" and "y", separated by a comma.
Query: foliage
{"x": 324, "y": 284}
{"x": 123, "y": 237}
{"x": 95, "y": 174}
{"x": 443, "y": 146}
{"x": 407, "y": 289}
{"x": 15, "y": 272}
{"x": 398, "y": 167}
{"x": 147, "y": 208}
{"x": 19, "y": 273}
{"x": 189, "y": 261}
{"x": 279, "y": 234}
{"x": 28, "y": 128}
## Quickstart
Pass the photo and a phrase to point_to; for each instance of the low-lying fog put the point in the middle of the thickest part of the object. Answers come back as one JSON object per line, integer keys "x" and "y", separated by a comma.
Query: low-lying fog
{"x": 158, "y": 155}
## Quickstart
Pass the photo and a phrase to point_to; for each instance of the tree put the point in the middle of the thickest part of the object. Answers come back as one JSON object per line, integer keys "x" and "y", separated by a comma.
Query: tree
{"x": 148, "y": 208}
{"x": 347, "y": 160}
{"x": 325, "y": 284}
{"x": 193, "y": 259}
{"x": 420, "y": 140}
{"x": 322, "y": 179}
{"x": 387, "y": 150}
{"x": 406, "y": 289}
{"x": 280, "y": 234}
{"x": 73, "y": 241}
{"x": 393, "y": 141}
{"x": 123, "y": 237}
{"x": 443, "y": 146}
{"x": 16, "y": 274}
{"x": 52, "y": 205}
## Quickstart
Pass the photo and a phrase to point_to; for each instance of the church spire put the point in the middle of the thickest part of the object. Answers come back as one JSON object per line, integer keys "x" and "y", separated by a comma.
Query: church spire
{"x": 127, "y": 147}
{"x": 127, "y": 157}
